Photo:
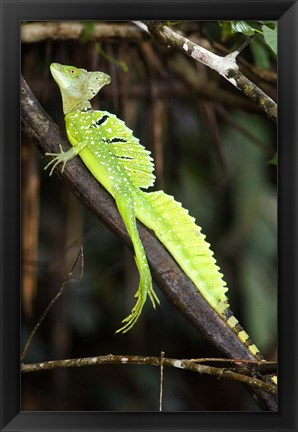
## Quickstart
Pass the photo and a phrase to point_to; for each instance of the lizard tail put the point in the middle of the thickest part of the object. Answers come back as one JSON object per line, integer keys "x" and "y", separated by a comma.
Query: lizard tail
{"x": 177, "y": 230}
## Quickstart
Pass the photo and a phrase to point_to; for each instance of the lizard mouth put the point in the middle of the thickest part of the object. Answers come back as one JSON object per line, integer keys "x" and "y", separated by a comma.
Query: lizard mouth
{"x": 58, "y": 76}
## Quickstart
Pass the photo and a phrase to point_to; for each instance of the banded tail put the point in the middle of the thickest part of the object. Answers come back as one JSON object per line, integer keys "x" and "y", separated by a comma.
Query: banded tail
{"x": 177, "y": 230}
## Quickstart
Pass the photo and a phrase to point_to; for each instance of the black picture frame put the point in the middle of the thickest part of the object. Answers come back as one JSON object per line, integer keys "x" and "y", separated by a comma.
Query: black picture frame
{"x": 12, "y": 12}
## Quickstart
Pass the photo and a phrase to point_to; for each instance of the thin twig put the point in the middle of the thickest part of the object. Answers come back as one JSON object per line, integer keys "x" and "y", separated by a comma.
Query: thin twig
{"x": 226, "y": 66}
{"x": 152, "y": 361}
{"x": 141, "y": 25}
{"x": 245, "y": 44}
{"x": 53, "y": 301}
{"x": 267, "y": 76}
{"x": 162, "y": 355}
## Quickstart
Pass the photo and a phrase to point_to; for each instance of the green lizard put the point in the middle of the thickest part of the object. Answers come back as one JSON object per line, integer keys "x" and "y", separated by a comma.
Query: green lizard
{"x": 123, "y": 166}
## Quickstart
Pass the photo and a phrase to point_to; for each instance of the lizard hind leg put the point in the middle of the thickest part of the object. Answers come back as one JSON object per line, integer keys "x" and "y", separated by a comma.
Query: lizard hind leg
{"x": 125, "y": 204}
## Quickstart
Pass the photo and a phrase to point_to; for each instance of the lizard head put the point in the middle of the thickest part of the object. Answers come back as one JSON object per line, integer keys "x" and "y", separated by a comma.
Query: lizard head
{"x": 77, "y": 85}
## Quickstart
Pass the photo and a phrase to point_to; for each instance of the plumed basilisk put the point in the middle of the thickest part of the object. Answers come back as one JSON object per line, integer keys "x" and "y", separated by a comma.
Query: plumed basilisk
{"x": 124, "y": 167}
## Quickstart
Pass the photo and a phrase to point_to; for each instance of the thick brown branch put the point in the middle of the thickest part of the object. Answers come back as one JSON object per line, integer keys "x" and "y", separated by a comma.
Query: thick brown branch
{"x": 166, "y": 272}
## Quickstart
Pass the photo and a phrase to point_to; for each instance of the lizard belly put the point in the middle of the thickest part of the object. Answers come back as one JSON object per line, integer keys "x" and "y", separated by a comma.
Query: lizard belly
{"x": 98, "y": 169}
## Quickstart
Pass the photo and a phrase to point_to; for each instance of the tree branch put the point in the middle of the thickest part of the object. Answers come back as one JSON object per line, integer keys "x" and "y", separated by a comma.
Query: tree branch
{"x": 225, "y": 66}
{"x": 166, "y": 272}
{"x": 152, "y": 361}
{"x": 37, "y": 32}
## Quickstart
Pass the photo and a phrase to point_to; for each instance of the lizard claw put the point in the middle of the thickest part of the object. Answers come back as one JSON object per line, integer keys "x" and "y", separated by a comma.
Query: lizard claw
{"x": 59, "y": 158}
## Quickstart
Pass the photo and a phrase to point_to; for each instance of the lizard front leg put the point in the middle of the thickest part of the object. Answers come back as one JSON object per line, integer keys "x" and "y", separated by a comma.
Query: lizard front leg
{"x": 64, "y": 157}
{"x": 125, "y": 204}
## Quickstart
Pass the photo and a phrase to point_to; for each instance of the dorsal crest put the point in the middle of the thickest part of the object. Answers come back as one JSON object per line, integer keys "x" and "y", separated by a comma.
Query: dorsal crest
{"x": 135, "y": 160}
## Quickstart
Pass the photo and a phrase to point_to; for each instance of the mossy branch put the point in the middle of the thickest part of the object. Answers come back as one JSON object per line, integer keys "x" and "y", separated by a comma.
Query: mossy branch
{"x": 191, "y": 365}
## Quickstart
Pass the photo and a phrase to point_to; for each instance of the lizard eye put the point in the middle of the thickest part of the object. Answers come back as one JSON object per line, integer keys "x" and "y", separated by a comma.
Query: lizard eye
{"x": 72, "y": 71}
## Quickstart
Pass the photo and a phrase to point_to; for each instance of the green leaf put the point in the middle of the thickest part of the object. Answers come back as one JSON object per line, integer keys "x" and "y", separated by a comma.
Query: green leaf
{"x": 274, "y": 160}
{"x": 242, "y": 27}
{"x": 88, "y": 30}
{"x": 173, "y": 23}
{"x": 270, "y": 24}
{"x": 225, "y": 30}
{"x": 119, "y": 63}
{"x": 260, "y": 53}
{"x": 270, "y": 37}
